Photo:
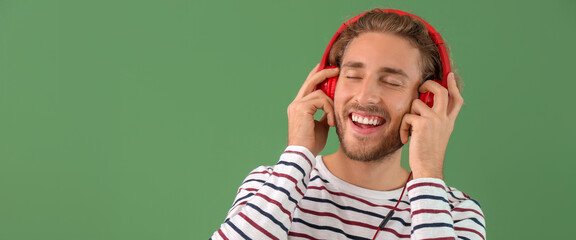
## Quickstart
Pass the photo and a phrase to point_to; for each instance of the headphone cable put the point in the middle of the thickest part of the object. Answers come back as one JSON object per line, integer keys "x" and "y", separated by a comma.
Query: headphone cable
{"x": 389, "y": 215}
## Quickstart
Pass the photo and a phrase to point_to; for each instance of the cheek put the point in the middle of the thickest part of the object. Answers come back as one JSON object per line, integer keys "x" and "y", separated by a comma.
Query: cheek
{"x": 340, "y": 98}
{"x": 339, "y": 106}
{"x": 404, "y": 101}
{"x": 400, "y": 106}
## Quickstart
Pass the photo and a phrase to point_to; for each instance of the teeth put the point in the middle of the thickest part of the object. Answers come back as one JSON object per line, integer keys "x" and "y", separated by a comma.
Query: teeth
{"x": 366, "y": 120}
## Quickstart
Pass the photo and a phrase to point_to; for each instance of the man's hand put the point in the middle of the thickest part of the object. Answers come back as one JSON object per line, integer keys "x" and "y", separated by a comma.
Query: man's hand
{"x": 430, "y": 128}
{"x": 303, "y": 130}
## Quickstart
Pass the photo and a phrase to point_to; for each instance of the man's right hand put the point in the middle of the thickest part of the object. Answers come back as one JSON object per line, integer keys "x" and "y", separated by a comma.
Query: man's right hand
{"x": 303, "y": 130}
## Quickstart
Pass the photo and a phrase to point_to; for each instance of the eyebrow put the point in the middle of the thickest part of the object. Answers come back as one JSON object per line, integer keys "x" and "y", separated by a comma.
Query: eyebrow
{"x": 390, "y": 70}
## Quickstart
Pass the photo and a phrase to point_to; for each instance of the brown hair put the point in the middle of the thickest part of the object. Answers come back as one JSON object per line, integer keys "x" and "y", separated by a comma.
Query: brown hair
{"x": 404, "y": 26}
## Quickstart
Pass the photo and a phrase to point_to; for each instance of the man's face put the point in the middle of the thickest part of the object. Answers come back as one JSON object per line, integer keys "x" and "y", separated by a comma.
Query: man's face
{"x": 379, "y": 79}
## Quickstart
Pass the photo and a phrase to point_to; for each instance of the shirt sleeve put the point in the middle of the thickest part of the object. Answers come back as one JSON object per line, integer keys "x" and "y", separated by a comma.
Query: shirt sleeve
{"x": 440, "y": 212}
{"x": 267, "y": 198}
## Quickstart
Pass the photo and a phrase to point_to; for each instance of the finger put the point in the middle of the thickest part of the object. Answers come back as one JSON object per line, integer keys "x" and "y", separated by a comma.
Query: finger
{"x": 315, "y": 79}
{"x": 310, "y": 74}
{"x": 420, "y": 108}
{"x": 440, "y": 94}
{"x": 325, "y": 119}
{"x": 456, "y": 100}
{"x": 327, "y": 107}
{"x": 319, "y": 100}
{"x": 405, "y": 127}
{"x": 329, "y": 117}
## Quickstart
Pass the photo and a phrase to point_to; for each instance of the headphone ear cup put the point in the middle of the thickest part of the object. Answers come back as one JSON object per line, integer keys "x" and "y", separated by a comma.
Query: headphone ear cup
{"x": 328, "y": 86}
{"x": 427, "y": 98}
{"x": 331, "y": 82}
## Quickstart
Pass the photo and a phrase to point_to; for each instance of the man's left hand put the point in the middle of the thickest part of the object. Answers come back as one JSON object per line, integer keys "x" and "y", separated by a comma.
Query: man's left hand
{"x": 430, "y": 128}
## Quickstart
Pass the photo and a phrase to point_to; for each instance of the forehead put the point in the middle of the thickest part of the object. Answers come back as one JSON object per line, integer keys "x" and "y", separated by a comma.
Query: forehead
{"x": 383, "y": 50}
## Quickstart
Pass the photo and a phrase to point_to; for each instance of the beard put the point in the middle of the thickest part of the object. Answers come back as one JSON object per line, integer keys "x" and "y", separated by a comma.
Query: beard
{"x": 365, "y": 148}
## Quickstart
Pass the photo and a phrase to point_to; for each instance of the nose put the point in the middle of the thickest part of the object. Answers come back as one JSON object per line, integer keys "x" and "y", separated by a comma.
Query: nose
{"x": 368, "y": 92}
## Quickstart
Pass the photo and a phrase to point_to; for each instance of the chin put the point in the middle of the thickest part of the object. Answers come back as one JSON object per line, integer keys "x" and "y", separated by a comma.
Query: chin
{"x": 368, "y": 149}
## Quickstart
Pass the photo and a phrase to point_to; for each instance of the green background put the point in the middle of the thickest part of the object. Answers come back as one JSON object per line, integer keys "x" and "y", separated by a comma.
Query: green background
{"x": 137, "y": 119}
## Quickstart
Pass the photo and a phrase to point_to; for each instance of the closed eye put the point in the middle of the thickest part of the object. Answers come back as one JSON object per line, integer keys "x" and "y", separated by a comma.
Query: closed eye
{"x": 391, "y": 82}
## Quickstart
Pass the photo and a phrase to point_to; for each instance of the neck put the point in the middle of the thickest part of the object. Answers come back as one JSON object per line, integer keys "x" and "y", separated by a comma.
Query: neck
{"x": 382, "y": 175}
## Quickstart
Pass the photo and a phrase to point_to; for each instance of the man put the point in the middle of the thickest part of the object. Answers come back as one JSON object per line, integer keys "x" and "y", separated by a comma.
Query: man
{"x": 383, "y": 60}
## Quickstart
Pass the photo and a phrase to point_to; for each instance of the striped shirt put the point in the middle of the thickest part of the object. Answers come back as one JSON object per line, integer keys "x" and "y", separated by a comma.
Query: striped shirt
{"x": 298, "y": 198}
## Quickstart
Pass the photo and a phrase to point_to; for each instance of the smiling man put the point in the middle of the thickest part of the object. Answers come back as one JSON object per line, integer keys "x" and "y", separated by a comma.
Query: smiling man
{"x": 382, "y": 61}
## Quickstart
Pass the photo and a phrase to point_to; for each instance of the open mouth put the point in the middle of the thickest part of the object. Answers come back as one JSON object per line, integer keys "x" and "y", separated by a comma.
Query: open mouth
{"x": 367, "y": 121}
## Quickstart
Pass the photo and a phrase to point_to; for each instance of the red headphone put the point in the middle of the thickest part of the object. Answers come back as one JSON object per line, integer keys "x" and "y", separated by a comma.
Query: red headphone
{"x": 329, "y": 85}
